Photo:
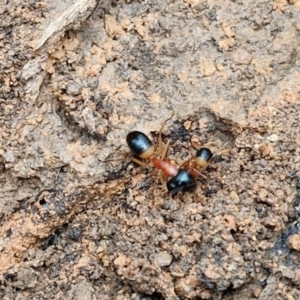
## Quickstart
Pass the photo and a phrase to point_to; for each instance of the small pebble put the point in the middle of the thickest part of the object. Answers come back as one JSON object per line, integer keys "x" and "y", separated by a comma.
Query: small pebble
{"x": 163, "y": 259}
{"x": 273, "y": 138}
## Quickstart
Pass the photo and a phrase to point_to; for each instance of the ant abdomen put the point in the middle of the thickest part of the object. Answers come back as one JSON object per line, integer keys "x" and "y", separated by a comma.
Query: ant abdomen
{"x": 140, "y": 144}
{"x": 203, "y": 157}
{"x": 182, "y": 181}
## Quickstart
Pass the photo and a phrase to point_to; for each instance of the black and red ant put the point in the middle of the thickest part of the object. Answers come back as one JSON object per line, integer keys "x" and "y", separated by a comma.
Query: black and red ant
{"x": 182, "y": 178}
{"x": 186, "y": 177}
{"x": 143, "y": 149}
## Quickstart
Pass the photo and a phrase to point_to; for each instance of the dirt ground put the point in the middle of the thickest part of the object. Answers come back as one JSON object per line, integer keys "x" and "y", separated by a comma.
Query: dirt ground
{"x": 79, "y": 220}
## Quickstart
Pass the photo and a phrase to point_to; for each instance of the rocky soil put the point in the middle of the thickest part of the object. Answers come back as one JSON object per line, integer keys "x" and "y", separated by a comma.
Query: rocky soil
{"x": 79, "y": 220}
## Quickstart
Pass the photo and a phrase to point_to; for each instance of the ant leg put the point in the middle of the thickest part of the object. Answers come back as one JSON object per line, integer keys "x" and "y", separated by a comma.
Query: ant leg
{"x": 187, "y": 164}
{"x": 162, "y": 180}
{"x": 199, "y": 173}
{"x": 139, "y": 162}
{"x": 108, "y": 160}
{"x": 126, "y": 154}
{"x": 115, "y": 159}
{"x": 153, "y": 180}
{"x": 160, "y": 131}
{"x": 220, "y": 150}
{"x": 136, "y": 160}
{"x": 164, "y": 153}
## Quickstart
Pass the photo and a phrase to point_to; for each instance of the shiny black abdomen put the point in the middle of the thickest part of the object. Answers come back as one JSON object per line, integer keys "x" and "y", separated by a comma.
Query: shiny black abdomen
{"x": 182, "y": 181}
{"x": 204, "y": 154}
{"x": 138, "y": 142}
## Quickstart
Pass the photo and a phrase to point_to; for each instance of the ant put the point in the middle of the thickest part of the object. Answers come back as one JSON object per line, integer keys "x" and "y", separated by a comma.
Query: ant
{"x": 182, "y": 178}
{"x": 142, "y": 149}
{"x": 186, "y": 177}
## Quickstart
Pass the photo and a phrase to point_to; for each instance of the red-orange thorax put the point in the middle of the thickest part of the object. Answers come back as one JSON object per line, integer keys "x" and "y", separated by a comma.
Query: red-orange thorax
{"x": 166, "y": 167}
